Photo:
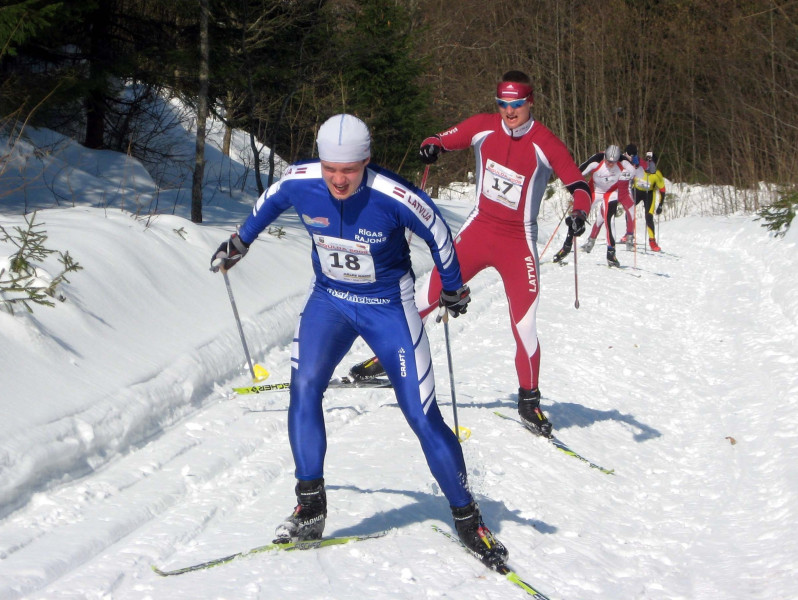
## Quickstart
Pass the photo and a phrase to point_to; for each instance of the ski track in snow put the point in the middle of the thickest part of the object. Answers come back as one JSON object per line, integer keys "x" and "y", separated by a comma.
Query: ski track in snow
{"x": 641, "y": 399}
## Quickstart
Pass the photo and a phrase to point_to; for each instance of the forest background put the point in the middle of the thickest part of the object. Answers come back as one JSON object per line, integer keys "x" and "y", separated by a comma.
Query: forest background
{"x": 710, "y": 86}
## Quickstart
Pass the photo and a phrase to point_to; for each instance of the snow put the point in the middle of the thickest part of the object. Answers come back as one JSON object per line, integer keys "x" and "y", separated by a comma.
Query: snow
{"x": 122, "y": 445}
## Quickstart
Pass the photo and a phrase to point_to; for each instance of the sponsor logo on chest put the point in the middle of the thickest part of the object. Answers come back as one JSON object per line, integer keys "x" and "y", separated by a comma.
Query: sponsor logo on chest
{"x": 370, "y": 237}
{"x": 315, "y": 221}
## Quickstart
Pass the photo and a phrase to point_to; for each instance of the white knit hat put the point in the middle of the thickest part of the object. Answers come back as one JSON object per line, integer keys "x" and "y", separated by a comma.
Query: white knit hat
{"x": 343, "y": 139}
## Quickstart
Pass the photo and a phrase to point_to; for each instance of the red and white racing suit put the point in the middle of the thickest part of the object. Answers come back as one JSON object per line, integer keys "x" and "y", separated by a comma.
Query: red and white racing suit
{"x": 513, "y": 168}
{"x": 609, "y": 184}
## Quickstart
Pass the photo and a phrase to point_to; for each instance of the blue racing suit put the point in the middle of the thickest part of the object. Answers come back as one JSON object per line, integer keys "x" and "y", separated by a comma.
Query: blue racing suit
{"x": 364, "y": 286}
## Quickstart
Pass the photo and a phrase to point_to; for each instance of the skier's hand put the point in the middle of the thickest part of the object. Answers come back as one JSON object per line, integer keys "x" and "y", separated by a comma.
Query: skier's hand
{"x": 228, "y": 254}
{"x": 576, "y": 222}
{"x": 661, "y": 204}
{"x": 430, "y": 149}
{"x": 456, "y": 302}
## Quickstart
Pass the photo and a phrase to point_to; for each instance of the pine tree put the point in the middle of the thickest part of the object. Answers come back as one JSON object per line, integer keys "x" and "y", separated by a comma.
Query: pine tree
{"x": 779, "y": 215}
{"x": 20, "y": 21}
{"x": 380, "y": 75}
{"x": 23, "y": 282}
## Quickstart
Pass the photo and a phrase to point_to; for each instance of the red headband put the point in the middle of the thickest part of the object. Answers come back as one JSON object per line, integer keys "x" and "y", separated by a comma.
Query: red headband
{"x": 511, "y": 89}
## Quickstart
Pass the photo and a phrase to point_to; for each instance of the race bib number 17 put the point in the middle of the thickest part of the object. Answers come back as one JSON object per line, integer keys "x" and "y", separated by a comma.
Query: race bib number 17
{"x": 345, "y": 260}
{"x": 502, "y": 185}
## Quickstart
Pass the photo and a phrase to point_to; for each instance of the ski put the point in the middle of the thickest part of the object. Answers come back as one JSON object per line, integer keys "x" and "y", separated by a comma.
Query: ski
{"x": 346, "y": 382}
{"x": 644, "y": 249}
{"x": 273, "y": 547}
{"x": 343, "y": 382}
{"x": 624, "y": 269}
{"x": 560, "y": 445}
{"x": 502, "y": 569}
{"x": 263, "y": 388}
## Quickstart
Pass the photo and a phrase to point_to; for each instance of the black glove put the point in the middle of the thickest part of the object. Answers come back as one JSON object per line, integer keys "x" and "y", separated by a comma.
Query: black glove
{"x": 430, "y": 149}
{"x": 456, "y": 302}
{"x": 661, "y": 202}
{"x": 229, "y": 253}
{"x": 576, "y": 222}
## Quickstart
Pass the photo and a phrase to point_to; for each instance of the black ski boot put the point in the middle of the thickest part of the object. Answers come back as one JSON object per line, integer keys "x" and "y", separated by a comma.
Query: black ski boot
{"x": 564, "y": 251}
{"x": 368, "y": 369}
{"x": 611, "y": 260}
{"x": 477, "y": 537}
{"x": 307, "y": 520}
{"x": 531, "y": 415}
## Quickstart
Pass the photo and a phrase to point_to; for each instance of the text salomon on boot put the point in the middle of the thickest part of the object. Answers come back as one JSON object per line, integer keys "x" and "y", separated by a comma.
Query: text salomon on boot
{"x": 307, "y": 520}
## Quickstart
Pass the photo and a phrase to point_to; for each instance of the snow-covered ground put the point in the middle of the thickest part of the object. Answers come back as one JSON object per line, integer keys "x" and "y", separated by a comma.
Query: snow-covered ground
{"x": 122, "y": 446}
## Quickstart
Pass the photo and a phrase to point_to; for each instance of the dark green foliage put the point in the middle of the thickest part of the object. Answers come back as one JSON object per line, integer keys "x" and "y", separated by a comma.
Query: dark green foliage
{"x": 379, "y": 77}
{"x": 779, "y": 215}
{"x": 20, "y": 21}
{"x": 265, "y": 64}
{"x": 714, "y": 91}
{"x": 68, "y": 75}
{"x": 35, "y": 69}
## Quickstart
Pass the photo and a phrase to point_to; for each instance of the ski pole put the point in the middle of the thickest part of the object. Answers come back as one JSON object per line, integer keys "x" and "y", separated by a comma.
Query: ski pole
{"x": 546, "y": 247}
{"x": 576, "y": 278}
{"x": 424, "y": 177}
{"x": 650, "y": 205}
{"x": 262, "y": 373}
{"x": 444, "y": 315}
{"x": 634, "y": 226}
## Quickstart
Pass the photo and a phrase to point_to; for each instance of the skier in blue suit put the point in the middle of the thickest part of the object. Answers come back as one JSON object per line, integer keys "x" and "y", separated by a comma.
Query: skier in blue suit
{"x": 356, "y": 214}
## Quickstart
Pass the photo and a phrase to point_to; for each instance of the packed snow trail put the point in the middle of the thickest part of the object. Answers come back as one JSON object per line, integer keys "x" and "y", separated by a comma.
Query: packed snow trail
{"x": 654, "y": 376}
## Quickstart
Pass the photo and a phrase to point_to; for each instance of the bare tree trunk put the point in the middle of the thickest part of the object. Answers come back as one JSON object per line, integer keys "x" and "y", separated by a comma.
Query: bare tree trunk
{"x": 202, "y": 116}
{"x": 94, "y": 102}
{"x": 228, "y": 129}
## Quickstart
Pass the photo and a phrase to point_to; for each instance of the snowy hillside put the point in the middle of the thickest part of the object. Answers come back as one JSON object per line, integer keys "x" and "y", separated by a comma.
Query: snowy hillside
{"x": 122, "y": 446}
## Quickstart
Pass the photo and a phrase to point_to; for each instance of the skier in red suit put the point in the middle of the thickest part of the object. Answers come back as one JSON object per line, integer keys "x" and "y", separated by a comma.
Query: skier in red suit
{"x": 515, "y": 158}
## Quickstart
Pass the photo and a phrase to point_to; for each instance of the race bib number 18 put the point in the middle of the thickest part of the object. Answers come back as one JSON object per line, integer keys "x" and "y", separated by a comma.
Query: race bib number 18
{"x": 345, "y": 260}
{"x": 502, "y": 185}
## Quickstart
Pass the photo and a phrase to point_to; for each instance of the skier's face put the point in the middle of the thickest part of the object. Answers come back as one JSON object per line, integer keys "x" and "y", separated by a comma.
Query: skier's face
{"x": 514, "y": 116}
{"x": 343, "y": 179}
